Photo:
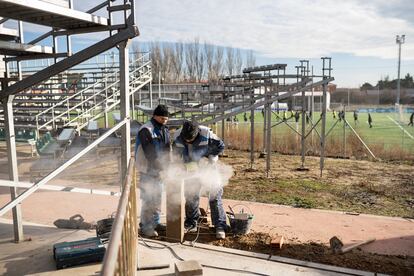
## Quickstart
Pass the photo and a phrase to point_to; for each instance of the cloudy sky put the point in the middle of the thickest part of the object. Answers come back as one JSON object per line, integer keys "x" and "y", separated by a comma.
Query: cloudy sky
{"x": 358, "y": 35}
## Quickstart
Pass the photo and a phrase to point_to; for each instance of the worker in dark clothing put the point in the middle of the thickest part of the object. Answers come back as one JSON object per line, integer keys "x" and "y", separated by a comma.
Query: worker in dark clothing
{"x": 245, "y": 117}
{"x": 369, "y": 120}
{"x": 341, "y": 115}
{"x": 411, "y": 119}
{"x": 263, "y": 112}
{"x": 192, "y": 142}
{"x": 297, "y": 116}
{"x": 152, "y": 154}
{"x": 355, "y": 117}
{"x": 309, "y": 118}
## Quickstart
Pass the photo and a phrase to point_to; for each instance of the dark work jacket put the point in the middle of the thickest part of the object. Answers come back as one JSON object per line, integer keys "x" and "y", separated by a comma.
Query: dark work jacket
{"x": 152, "y": 147}
{"x": 206, "y": 143}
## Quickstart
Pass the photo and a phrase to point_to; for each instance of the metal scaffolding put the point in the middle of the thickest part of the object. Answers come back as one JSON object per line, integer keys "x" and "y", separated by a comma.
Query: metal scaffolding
{"x": 64, "y": 21}
{"x": 260, "y": 86}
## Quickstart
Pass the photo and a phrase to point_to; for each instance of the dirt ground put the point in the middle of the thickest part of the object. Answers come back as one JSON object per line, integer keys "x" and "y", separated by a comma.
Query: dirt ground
{"x": 312, "y": 252}
{"x": 346, "y": 185}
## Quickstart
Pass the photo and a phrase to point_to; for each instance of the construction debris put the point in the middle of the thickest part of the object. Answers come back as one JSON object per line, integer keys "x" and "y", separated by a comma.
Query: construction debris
{"x": 337, "y": 245}
{"x": 188, "y": 268}
{"x": 277, "y": 242}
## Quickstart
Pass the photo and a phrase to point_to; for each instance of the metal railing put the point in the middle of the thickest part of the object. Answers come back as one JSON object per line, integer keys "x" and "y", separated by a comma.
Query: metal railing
{"x": 121, "y": 256}
{"x": 82, "y": 106}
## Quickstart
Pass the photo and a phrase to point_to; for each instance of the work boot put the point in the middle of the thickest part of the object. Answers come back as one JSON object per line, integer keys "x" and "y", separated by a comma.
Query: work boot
{"x": 161, "y": 227}
{"x": 220, "y": 233}
{"x": 149, "y": 233}
{"x": 190, "y": 228}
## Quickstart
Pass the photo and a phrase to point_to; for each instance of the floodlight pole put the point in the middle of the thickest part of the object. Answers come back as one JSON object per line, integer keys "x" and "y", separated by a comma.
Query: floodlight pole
{"x": 399, "y": 40}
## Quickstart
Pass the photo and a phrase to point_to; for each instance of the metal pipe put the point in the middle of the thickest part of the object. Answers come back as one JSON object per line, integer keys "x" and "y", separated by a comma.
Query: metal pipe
{"x": 13, "y": 167}
{"x": 268, "y": 132}
{"x": 124, "y": 106}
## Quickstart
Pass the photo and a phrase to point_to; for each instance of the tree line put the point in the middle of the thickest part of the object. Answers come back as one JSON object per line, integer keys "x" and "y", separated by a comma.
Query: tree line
{"x": 194, "y": 61}
{"x": 386, "y": 83}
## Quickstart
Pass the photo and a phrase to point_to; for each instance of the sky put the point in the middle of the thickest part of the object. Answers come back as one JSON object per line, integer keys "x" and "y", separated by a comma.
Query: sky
{"x": 358, "y": 35}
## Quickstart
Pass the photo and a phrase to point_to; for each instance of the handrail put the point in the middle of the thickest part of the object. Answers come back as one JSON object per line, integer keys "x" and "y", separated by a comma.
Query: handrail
{"x": 115, "y": 103}
{"x": 121, "y": 256}
{"x": 144, "y": 58}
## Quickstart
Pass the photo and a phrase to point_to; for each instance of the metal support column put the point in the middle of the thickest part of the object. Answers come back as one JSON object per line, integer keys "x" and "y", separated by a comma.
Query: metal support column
{"x": 264, "y": 123}
{"x": 124, "y": 106}
{"x": 268, "y": 114}
{"x": 305, "y": 73}
{"x": 223, "y": 122}
{"x": 252, "y": 128}
{"x": 12, "y": 163}
{"x": 344, "y": 134}
{"x": 323, "y": 114}
{"x": 323, "y": 129}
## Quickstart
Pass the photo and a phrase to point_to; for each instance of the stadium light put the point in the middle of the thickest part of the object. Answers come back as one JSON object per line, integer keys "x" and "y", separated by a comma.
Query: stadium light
{"x": 399, "y": 40}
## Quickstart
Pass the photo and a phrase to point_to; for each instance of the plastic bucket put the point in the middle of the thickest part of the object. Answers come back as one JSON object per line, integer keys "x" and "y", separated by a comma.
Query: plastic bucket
{"x": 240, "y": 226}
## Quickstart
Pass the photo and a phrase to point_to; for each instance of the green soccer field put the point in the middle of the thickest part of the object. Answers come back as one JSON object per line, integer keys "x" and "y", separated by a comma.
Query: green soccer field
{"x": 386, "y": 130}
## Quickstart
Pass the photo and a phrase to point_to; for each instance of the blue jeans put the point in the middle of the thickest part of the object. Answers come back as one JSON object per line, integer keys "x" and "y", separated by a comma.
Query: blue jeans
{"x": 151, "y": 191}
{"x": 192, "y": 201}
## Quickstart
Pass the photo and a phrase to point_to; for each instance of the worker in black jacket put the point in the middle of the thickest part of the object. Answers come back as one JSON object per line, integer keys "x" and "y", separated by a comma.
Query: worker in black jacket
{"x": 152, "y": 151}
{"x": 192, "y": 142}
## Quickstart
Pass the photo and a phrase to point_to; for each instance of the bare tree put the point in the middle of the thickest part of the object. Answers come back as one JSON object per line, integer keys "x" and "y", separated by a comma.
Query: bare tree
{"x": 218, "y": 63}
{"x": 209, "y": 55}
{"x": 199, "y": 60}
{"x": 230, "y": 60}
{"x": 238, "y": 62}
{"x": 166, "y": 66}
{"x": 177, "y": 60}
{"x": 136, "y": 49}
{"x": 155, "y": 59}
{"x": 250, "y": 59}
{"x": 190, "y": 61}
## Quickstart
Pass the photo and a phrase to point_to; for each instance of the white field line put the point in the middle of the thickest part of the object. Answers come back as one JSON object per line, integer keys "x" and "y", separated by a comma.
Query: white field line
{"x": 7, "y": 183}
{"x": 406, "y": 132}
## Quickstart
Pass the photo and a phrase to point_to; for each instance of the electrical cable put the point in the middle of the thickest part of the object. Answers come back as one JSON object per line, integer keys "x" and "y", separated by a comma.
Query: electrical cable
{"x": 169, "y": 247}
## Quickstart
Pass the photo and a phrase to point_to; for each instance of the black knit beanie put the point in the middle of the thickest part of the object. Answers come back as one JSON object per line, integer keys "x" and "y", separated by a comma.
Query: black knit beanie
{"x": 161, "y": 110}
{"x": 189, "y": 131}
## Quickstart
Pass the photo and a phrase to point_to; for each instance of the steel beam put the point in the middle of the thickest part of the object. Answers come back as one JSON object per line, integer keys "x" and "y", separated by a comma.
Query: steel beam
{"x": 48, "y": 14}
{"x": 323, "y": 131}
{"x": 79, "y": 57}
{"x": 13, "y": 169}
{"x": 268, "y": 114}
{"x": 124, "y": 106}
{"x": 272, "y": 99}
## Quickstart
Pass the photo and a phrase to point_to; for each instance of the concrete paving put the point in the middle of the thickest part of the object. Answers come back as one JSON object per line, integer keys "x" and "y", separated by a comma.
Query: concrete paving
{"x": 35, "y": 257}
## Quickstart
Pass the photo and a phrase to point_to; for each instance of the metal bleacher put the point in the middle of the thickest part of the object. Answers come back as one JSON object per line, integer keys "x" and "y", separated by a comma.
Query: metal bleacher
{"x": 50, "y": 98}
{"x": 63, "y": 92}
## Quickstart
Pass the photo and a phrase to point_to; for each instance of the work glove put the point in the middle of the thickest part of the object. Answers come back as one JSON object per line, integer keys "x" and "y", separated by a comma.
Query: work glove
{"x": 212, "y": 159}
{"x": 191, "y": 166}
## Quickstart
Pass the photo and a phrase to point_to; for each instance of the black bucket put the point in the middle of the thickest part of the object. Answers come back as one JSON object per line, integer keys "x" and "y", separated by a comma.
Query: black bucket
{"x": 240, "y": 226}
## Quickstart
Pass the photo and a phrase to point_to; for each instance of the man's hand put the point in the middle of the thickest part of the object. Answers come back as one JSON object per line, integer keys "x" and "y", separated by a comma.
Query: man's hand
{"x": 191, "y": 166}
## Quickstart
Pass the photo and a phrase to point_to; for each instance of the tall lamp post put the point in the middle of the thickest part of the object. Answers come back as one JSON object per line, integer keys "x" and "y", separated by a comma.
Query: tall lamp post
{"x": 399, "y": 40}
